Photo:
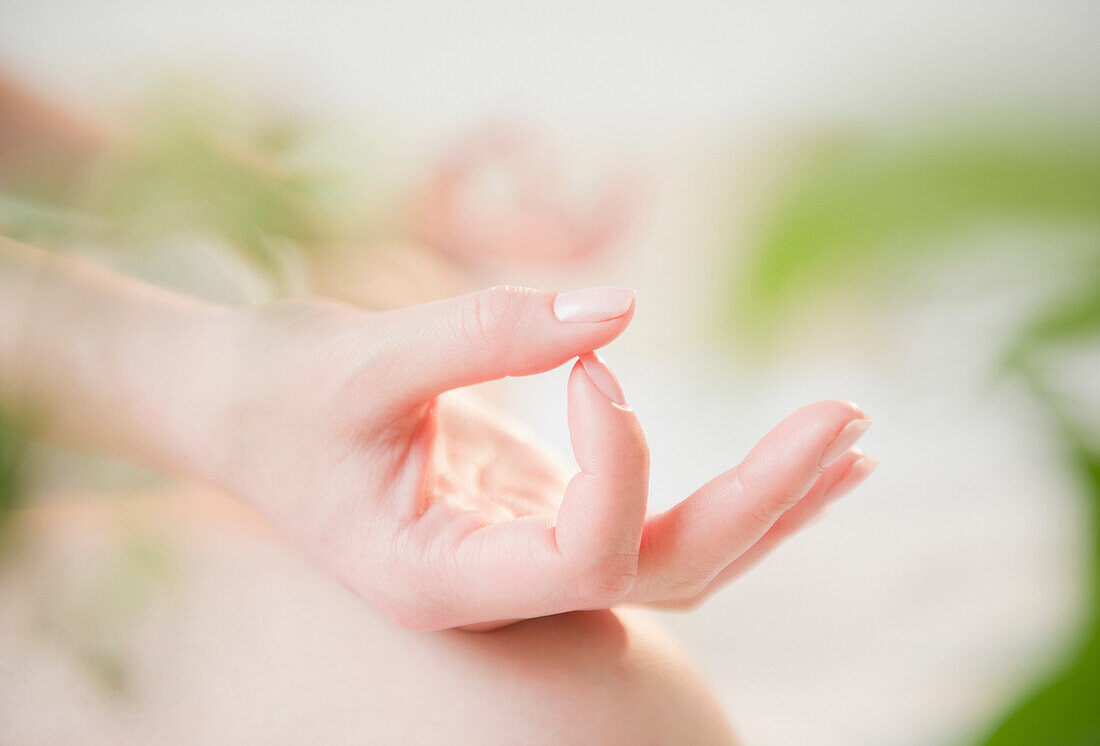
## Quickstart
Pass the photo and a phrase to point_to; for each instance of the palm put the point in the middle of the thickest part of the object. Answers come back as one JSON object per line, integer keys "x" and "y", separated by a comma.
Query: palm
{"x": 492, "y": 467}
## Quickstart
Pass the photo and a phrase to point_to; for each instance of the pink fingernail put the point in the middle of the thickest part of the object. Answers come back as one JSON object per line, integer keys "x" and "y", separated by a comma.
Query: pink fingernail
{"x": 844, "y": 440}
{"x": 603, "y": 378}
{"x": 852, "y": 478}
{"x": 593, "y": 304}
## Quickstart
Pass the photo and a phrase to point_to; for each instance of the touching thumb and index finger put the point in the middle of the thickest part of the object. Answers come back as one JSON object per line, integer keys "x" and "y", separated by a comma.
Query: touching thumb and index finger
{"x": 498, "y": 332}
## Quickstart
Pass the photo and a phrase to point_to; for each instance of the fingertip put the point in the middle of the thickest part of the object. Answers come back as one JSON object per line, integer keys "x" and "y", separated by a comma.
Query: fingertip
{"x": 825, "y": 429}
{"x": 593, "y": 305}
{"x": 584, "y": 325}
{"x": 857, "y": 474}
{"x": 831, "y": 410}
{"x": 600, "y": 376}
{"x": 854, "y": 468}
{"x": 845, "y": 439}
{"x": 604, "y": 429}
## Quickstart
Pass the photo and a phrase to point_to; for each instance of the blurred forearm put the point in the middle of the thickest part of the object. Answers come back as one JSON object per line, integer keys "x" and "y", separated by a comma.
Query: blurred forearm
{"x": 41, "y": 145}
{"x": 107, "y": 363}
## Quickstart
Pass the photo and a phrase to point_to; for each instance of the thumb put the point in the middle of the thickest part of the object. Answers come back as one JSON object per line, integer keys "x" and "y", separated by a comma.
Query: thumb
{"x": 502, "y": 331}
{"x": 599, "y": 523}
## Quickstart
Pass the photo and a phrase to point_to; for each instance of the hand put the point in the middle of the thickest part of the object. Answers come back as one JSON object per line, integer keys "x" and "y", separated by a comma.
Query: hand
{"x": 498, "y": 196}
{"x": 444, "y": 513}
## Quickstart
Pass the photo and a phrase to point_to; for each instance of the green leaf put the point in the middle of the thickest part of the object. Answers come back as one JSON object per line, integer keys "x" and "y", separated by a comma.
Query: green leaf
{"x": 1066, "y": 709}
{"x": 1063, "y": 319}
{"x": 878, "y": 207}
{"x": 13, "y": 447}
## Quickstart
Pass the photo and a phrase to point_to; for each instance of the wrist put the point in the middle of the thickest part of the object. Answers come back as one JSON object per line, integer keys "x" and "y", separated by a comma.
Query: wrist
{"x": 263, "y": 389}
{"x": 190, "y": 404}
{"x": 107, "y": 364}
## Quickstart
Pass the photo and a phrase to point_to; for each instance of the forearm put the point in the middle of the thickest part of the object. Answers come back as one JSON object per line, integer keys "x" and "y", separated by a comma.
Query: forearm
{"x": 41, "y": 142}
{"x": 110, "y": 364}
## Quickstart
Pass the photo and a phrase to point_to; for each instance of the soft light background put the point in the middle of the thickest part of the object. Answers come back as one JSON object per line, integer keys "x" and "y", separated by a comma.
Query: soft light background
{"x": 922, "y": 606}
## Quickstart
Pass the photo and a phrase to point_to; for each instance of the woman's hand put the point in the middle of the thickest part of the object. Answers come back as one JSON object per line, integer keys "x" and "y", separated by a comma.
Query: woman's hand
{"x": 498, "y": 196}
{"x": 338, "y": 425}
{"x": 445, "y": 514}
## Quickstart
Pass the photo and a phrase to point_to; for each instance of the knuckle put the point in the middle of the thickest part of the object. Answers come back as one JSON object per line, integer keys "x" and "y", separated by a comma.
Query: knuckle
{"x": 687, "y": 603}
{"x": 496, "y": 310}
{"x": 467, "y": 322}
{"x": 608, "y": 580}
{"x": 762, "y": 516}
{"x": 686, "y": 587}
{"x": 488, "y": 319}
{"x": 767, "y": 511}
{"x": 766, "y": 508}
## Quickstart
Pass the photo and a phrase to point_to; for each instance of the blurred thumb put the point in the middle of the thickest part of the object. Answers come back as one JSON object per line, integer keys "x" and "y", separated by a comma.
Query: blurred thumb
{"x": 498, "y": 332}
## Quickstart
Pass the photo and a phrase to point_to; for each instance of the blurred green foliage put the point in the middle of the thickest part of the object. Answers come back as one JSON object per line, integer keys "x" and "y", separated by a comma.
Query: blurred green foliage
{"x": 13, "y": 445}
{"x": 1065, "y": 709}
{"x": 96, "y": 623}
{"x": 189, "y": 169}
{"x": 196, "y": 162}
{"x": 881, "y": 209}
{"x": 93, "y": 621}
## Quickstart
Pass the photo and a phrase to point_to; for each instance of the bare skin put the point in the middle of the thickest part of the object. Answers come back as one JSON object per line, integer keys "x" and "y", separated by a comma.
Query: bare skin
{"x": 348, "y": 431}
{"x": 338, "y": 425}
{"x": 243, "y": 641}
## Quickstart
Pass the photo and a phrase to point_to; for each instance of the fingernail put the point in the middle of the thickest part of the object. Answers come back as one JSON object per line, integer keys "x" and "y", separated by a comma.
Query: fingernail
{"x": 602, "y": 376}
{"x": 593, "y": 304}
{"x": 857, "y": 472}
{"x": 844, "y": 440}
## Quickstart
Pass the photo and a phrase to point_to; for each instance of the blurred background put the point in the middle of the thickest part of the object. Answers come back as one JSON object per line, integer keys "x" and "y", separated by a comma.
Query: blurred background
{"x": 893, "y": 203}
